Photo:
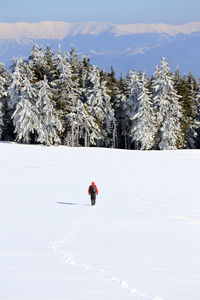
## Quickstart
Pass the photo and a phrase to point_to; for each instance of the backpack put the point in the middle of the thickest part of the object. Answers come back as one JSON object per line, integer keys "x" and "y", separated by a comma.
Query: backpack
{"x": 93, "y": 189}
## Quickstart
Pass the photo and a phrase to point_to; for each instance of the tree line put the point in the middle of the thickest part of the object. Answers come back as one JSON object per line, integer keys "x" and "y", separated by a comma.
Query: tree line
{"x": 61, "y": 99}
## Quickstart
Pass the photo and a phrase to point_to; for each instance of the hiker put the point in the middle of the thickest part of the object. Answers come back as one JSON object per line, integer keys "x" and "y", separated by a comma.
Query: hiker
{"x": 93, "y": 191}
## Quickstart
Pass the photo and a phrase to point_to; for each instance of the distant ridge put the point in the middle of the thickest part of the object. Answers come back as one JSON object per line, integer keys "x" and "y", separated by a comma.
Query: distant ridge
{"x": 122, "y": 46}
{"x": 59, "y": 30}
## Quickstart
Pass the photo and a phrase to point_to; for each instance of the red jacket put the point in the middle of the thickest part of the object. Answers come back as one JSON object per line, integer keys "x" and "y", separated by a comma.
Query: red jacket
{"x": 93, "y": 184}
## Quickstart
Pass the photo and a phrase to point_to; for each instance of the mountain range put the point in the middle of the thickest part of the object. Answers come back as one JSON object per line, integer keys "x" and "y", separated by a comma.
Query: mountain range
{"x": 123, "y": 46}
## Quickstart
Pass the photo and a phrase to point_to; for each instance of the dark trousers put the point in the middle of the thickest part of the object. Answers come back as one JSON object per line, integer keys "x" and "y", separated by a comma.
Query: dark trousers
{"x": 93, "y": 198}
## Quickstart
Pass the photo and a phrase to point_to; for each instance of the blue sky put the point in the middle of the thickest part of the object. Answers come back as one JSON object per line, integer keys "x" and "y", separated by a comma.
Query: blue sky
{"x": 114, "y": 11}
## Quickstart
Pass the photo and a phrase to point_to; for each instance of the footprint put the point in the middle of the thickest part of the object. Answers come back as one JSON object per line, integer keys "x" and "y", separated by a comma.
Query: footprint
{"x": 68, "y": 259}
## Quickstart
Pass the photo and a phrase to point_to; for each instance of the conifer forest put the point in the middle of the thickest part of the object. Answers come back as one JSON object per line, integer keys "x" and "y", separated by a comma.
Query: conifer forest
{"x": 61, "y": 99}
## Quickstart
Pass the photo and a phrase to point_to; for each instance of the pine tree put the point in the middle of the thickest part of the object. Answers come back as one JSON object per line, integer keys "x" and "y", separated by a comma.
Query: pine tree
{"x": 36, "y": 63}
{"x": 50, "y": 125}
{"x": 84, "y": 71}
{"x": 94, "y": 102}
{"x": 168, "y": 110}
{"x": 193, "y": 116}
{"x": 117, "y": 101}
{"x": 128, "y": 82}
{"x": 1, "y": 118}
{"x": 76, "y": 68}
{"x": 82, "y": 126}
{"x": 49, "y": 64}
{"x": 63, "y": 83}
{"x": 130, "y": 106}
{"x": 109, "y": 126}
{"x": 187, "y": 89}
{"x": 15, "y": 82}
{"x": 84, "y": 68}
{"x": 67, "y": 97}
{"x": 182, "y": 87}
{"x": 144, "y": 129}
{"x": 3, "y": 94}
{"x": 73, "y": 125}
{"x": 193, "y": 140}
{"x": 74, "y": 62}
{"x": 88, "y": 130}
{"x": 25, "y": 116}
{"x": 99, "y": 107}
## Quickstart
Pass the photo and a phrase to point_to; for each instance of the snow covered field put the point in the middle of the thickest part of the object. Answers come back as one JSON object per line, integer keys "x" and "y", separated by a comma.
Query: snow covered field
{"x": 141, "y": 240}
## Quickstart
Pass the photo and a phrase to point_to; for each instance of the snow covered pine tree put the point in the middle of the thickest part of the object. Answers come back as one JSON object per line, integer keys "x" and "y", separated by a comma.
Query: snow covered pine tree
{"x": 168, "y": 109}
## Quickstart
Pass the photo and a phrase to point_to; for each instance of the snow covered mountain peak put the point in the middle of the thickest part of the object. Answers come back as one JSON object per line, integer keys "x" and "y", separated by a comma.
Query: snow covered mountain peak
{"x": 59, "y": 30}
{"x": 50, "y": 30}
{"x": 157, "y": 28}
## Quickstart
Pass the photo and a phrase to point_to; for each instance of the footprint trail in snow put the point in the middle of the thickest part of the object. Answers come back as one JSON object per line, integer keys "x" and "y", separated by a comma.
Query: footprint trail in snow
{"x": 68, "y": 259}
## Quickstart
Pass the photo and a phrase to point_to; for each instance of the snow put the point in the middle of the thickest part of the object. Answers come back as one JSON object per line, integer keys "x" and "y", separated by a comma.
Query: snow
{"x": 126, "y": 29}
{"x": 141, "y": 240}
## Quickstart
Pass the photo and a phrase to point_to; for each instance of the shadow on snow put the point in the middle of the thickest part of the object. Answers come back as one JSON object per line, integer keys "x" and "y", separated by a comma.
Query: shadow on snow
{"x": 71, "y": 203}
